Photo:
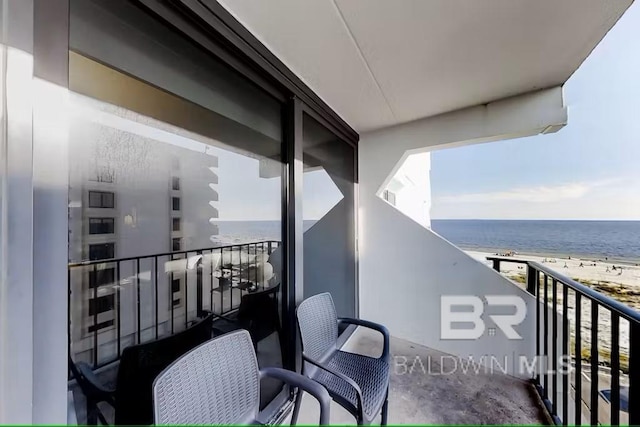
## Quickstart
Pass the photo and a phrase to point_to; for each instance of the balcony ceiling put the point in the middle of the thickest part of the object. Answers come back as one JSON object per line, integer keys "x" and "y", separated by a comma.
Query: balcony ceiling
{"x": 382, "y": 62}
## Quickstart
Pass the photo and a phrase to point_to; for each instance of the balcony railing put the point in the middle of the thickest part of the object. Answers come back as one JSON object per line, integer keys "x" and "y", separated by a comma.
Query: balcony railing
{"x": 559, "y": 337}
{"x": 225, "y": 273}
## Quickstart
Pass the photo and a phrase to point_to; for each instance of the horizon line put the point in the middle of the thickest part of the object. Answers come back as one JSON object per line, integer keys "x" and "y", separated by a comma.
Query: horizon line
{"x": 535, "y": 219}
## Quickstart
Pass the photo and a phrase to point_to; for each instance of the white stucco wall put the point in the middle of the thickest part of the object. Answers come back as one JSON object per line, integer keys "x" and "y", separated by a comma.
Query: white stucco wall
{"x": 411, "y": 186}
{"x": 404, "y": 267}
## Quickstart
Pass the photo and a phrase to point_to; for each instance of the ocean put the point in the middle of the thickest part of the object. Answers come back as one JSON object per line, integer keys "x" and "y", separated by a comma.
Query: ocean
{"x": 595, "y": 239}
{"x": 234, "y": 232}
{"x": 616, "y": 240}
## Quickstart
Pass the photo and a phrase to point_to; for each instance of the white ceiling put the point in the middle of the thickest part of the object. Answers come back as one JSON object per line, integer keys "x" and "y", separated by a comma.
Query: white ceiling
{"x": 383, "y": 62}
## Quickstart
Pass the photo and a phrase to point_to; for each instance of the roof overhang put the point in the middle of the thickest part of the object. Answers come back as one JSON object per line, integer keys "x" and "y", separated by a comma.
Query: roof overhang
{"x": 379, "y": 63}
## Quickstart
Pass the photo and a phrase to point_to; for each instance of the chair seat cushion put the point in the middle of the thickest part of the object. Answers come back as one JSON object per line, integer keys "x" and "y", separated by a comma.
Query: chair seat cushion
{"x": 371, "y": 375}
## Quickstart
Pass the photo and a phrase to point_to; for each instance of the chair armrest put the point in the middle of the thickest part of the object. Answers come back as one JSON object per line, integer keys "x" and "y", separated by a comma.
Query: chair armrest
{"x": 216, "y": 316}
{"x": 87, "y": 373}
{"x": 303, "y": 383}
{"x": 343, "y": 377}
{"x": 225, "y": 317}
{"x": 371, "y": 325}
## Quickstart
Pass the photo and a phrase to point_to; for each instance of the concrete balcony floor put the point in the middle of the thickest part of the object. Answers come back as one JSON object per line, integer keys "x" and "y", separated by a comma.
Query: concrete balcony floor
{"x": 424, "y": 396}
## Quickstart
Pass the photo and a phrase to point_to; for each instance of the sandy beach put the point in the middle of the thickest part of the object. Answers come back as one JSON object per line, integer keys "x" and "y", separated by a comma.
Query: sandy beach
{"x": 616, "y": 275}
{"x": 612, "y": 278}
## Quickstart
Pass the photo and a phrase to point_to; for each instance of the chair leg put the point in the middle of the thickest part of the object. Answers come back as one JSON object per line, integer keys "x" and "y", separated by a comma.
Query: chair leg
{"x": 94, "y": 414}
{"x": 91, "y": 409}
{"x": 385, "y": 410}
{"x": 102, "y": 419}
{"x": 296, "y": 408}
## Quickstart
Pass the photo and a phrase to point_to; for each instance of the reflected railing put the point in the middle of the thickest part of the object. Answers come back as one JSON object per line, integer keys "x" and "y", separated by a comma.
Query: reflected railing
{"x": 114, "y": 303}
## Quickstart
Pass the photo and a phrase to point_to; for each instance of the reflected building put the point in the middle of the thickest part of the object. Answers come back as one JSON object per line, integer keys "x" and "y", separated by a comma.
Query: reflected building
{"x": 138, "y": 189}
{"x": 149, "y": 253}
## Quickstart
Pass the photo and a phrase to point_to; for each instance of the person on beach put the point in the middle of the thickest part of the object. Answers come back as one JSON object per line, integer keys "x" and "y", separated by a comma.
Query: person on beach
{"x": 565, "y": 265}
{"x": 581, "y": 265}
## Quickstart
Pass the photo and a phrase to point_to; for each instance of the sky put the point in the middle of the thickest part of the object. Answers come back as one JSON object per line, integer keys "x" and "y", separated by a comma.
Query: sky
{"x": 245, "y": 196}
{"x": 588, "y": 170}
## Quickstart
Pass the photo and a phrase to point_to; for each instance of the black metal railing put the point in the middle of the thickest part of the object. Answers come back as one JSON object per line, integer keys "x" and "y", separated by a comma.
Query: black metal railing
{"x": 610, "y": 376}
{"x": 100, "y": 326}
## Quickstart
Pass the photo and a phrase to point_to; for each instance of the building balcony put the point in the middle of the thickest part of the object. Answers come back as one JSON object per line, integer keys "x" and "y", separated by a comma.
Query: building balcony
{"x": 137, "y": 131}
{"x": 474, "y": 384}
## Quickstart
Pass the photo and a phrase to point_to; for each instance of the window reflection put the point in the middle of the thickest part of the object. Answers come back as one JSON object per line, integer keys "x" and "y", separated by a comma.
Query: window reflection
{"x": 174, "y": 194}
{"x": 328, "y": 213}
{"x": 166, "y": 222}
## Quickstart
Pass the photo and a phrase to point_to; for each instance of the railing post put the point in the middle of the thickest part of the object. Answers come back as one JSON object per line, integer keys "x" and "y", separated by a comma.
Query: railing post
{"x": 615, "y": 369}
{"x": 199, "y": 308}
{"x": 118, "y": 316}
{"x": 496, "y": 265}
{"x": 634, "y": 373}
{"x": 69, "y": 312}
{"x": 578, "y": 360}
{"x": 532, "y": 279}
{"x": 95, "y": 317}
{"x": 139, "y": 313}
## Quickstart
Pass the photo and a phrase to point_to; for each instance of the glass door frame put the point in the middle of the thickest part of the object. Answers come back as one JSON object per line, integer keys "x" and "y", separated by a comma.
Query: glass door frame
{"x": 212, "y": 27}
{"x": 232, "y": 43}
{"x": 322, "y": 119}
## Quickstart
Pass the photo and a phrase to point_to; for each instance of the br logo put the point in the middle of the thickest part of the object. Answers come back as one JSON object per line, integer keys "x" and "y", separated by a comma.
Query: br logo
{"x": 470, "y": 322}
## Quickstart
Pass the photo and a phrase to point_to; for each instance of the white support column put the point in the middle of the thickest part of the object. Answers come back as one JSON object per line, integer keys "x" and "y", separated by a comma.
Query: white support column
{"x": 50, "y": 210}
{"x": 33, "y": 236}
{"x": 404, "y": 267}
{"x": 16, "y": 287}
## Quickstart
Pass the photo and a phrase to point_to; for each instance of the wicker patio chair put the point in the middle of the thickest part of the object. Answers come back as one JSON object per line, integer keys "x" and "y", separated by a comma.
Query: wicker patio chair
{"x": 219, "y": 383}
{"x": 358, "y": 383}
{"x": 139, "y": 366}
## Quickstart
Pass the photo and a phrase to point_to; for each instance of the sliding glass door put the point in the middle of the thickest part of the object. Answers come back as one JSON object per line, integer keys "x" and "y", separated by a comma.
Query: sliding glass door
{"x": 329, "y": 216}
{"x": 180, "y": 200}
{"x": 175, "y": 192}
{"x": 154, "y": 181}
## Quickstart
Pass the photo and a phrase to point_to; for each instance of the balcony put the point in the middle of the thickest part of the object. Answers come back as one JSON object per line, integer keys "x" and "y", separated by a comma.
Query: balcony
{"x": 427, "y": 386}
{"x": 136, "y": 129}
